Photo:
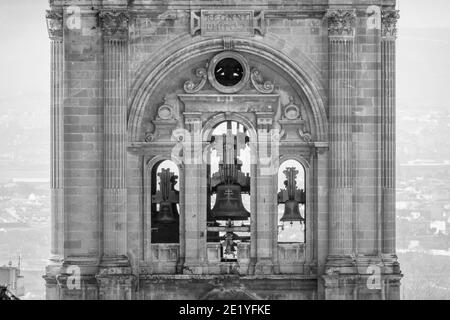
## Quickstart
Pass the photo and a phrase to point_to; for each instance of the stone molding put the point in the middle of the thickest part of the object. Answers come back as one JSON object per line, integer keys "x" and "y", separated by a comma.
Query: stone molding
{"x": 112, "y": 280}
{"x": 341, "y": 22}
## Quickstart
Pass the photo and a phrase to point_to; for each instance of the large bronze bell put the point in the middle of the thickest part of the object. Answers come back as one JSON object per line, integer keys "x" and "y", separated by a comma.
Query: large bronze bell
{"x": 167, "y": 213}
{"x": 228, "y": 204}
{"x": 291, "y": 212}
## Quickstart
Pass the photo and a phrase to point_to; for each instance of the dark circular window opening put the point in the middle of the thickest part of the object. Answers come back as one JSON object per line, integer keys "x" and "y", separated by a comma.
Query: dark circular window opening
{"x": 229, "y": 72}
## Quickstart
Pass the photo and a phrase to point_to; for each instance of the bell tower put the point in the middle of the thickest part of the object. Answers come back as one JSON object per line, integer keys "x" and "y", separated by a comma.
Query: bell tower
{"x": 203, "y": 151}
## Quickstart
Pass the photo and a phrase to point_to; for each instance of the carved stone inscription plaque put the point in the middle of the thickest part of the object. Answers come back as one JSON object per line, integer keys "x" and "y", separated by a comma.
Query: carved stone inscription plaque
{"x": 219, "y": 22}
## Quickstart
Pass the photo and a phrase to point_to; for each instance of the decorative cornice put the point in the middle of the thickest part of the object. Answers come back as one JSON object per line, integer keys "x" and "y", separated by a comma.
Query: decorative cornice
{"x": 341, "y": 22}
{"x": 389, "y": 20}
{"x": 116, "y": 279}
{"x": 54, "y": 24}
{"x": 114, "y": 23}
{"x": 294, "y": 14}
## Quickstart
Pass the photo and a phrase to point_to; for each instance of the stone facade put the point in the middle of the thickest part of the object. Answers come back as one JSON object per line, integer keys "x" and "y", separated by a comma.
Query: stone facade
{"x": 132, "y": 81}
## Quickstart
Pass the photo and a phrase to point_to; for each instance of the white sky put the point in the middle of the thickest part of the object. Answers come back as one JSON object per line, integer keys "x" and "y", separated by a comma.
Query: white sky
{"x": 25, "y": 53}
{"x": 424, "y": 13}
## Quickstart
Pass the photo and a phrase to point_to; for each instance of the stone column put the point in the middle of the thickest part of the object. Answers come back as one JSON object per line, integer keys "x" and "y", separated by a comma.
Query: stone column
{"x": 388, "y": 54}
{"x": 265, "y": 200}
{"x": 319, "y": 209}
{"x": 55, "y": 30}
{"x": 194, "y": 200}
{"x": 341, "y": 101}
{"x": 115, "y": 263}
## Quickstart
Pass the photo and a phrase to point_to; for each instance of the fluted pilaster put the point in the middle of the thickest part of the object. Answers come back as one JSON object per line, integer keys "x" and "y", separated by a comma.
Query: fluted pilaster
{"x": 195, "y": 188}
{"x": 55, "y": 30}
{"x": 341, "y": 102}
{"x": 389, "y": 33}
{"x": 266, "y": 221}
{"x": 115, "y": 30}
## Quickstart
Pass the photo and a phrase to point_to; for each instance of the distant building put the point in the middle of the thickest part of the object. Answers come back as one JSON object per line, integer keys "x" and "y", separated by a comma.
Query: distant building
{"x": 11, "y": 278}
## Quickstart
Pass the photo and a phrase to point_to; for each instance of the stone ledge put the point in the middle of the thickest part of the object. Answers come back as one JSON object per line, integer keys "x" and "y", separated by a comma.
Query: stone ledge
{"x": 220, "y": 277}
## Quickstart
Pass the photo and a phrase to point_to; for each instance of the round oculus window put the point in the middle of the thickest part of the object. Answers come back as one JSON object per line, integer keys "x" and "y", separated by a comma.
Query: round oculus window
{"x": 228, "y": 72}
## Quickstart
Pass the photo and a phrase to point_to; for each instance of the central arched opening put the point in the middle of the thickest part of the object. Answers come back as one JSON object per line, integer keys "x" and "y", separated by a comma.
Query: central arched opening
{"x": 228, "y": 203}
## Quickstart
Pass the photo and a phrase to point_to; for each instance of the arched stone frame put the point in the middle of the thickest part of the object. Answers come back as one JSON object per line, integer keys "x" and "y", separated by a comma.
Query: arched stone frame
{"x": 309, "y": 208}
{"x": 207, "y": 131}
{"x": 146, "y": 214}
{"x": 218, "y": 118}
{"x": 304, "y": 79}
{"x": 303, "y": 76}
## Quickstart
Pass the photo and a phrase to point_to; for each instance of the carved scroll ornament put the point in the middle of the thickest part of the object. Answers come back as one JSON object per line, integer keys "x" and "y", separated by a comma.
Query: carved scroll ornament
{"x": 259, "y": 83}
{"x": 192, "y": 87}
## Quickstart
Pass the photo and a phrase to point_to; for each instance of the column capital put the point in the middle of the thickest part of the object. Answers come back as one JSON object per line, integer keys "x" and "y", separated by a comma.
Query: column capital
{"x": 264, "y": 120}
{"x": 114, "y": 23}
{"x": 389, "y": 20}
{"x": 341, "y": 22}
{"x": 54, "y": 24}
